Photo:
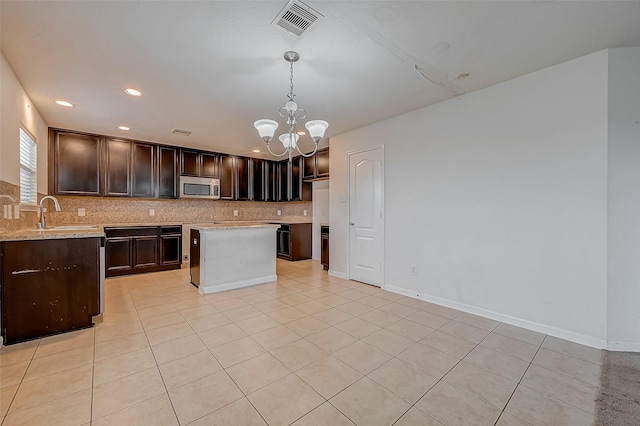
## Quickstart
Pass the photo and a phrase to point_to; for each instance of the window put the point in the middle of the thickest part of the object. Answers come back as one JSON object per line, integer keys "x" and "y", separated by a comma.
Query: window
{"x": 28, "y": 165}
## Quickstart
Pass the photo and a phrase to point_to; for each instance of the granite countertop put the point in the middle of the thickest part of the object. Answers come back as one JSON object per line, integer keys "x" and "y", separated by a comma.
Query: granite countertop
{"x": 232, "y": 225}
{"x": 50, "y": 234}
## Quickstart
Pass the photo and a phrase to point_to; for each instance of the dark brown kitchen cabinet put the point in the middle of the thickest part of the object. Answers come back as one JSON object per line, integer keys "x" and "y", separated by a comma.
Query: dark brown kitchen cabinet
{"x": 143, "y": 170}
{"x": 167, "y": 172}
{"x": 284, "y": 181}
{"x": 293, "y": 241}
{"x": 117, "y": 168}
{"x": 292, "y": 185}
{"x": 260, "y": 180}
{"x": 198, "y": 163}
{"x": 316, "y": 167}
{"x": 48, "y": 286}
{"x": 243, "y": 175}
{"x": 208, "y": 165}
{"x": 324, "y": 247}
{"x": 272, "y": 180}
{"x": 136, "y": 249}
{"x": 76, "y": 168}
{"x": 227, "y": 177}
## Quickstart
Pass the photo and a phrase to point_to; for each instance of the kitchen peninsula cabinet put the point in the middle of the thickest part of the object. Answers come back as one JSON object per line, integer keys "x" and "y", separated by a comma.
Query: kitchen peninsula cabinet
{"x": 136, "y": 249}
{"x": 55, "y": 288}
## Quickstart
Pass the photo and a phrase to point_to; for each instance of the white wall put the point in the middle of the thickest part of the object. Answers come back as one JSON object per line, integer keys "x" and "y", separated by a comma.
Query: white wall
{"x": 499, "y": 199}
{"x": 320, "y": 214}
{"x": 624, "y": 200}
{"x": 16, "y": 108}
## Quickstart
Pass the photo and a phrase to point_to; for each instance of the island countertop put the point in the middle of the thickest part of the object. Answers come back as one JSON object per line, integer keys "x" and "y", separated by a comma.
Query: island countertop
{"x": 231, "y": 225}
{"x": 51, "y": 234}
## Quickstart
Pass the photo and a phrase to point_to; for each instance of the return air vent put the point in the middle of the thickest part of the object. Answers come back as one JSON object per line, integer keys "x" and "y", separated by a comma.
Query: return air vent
{"x": 296, "y": 17}
{"x": 181, "y": 132}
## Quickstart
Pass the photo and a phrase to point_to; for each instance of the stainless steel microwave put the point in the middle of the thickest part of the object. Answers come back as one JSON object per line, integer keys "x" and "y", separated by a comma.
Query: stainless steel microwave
{"x": 197, "y": 187}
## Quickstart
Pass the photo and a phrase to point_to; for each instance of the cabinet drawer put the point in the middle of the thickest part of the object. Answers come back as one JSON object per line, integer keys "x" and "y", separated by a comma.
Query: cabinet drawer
{"x": 137, "y": 231}
{"x": 170, "y": 230}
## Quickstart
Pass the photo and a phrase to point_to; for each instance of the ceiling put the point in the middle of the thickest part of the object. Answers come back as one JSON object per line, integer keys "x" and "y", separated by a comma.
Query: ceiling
{"x": 214, "y": 67}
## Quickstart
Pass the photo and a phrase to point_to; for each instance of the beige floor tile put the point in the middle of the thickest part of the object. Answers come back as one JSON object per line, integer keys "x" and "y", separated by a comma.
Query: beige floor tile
{"x": 407, "y": 382}
{"x": 332, "y": 316}
{"x": 428, "y": 319}
{"x": 454, "y": 407}
{"x": 275, "y": 337}
{"x": 306, "y": 325}
{"x": 353, "y": 293}
{"x": 186, "y": 302}
{"x": 354, "y": 308}
{"x": 442, "y": 311}
{"x": 478, "y": 321}
{"x": 242, "y": 313}
{"x": 295, "y": 299}
{"x": 518, "y": 333}
{"x": 429, "y": 360}
{"x": 156, "y": 411}
{"x": 270, "y": 305}
{"x": 64, "y": 342}
{"x": 333, "y": 300}
{"x": 199, "y": 311}
{"x": 229, "y": 304}
{"x": 107, "y": 331}
{"x": 285, "y": 401}
{"x": 298, "y": 354}
{"x": 257, "y": 372}
{"x": 374, "y": 301}
{"x": 380, "y": 318}
{"x": 565, "y": 364}
{"x": 18, "y": 353}
{"x": 575, "y": 350}
{"x": 328, "y": 376}
{"x": 538, "y": 409}
{"x": 414, "y": 303}
{"x": 326, "y": 414}
{"x": 367, "y": 403}
{"x": 331, "y": 339}
{"x": 511, "y": 347}
{"x": 122, "y": 365}
{"x": 126, "y": 391}
{"x": 238, "y": 413}
{"x": 203, "y": 396}
{"x": 410, "y": 329}
{"x": 170, "y": 332}
{"x": 256, "y": 298}
{"x": 120, "y": 346}
{"x": 6, "y": 397}
{"x": 507, "y": 419}
{"x": 357, "y": 327}
{"x": 362, "y": 357}
{"x": 61, "y": 361}
{"x": 561, "y": 387}
{"x": 388, "y": 341}
{"x": 464, "y": 331}
{"x": 312, "y": 307}
{"x": 448, "y": 344}
{"x": 398, "y": 309}
{"x": 178, "y": 348}
{"x": 496, "y": 362}
{"x": 208, "y": 322}
{"x": 184, "y": 370}
{"x": 286, "y": 314}
{"x": 161, "y": 320}
{"x": 74, "y": 409}
{"x": 217, "y": 298}
{"x": 237, "y": 351}
{"x": 155, "y": 311}
{"x": 13, "y": 374}
{"x": 415, "y": 417}
{"x": 148, "y": 302}
{"x": 487, "y": 386}
{"x": 257, "y": 324}
{"x": 221, "y": 335}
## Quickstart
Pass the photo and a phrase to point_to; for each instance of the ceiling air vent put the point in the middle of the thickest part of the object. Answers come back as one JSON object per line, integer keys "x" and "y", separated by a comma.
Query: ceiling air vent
{"x": 296, "y": 17}
{"x": 181, "y": 132}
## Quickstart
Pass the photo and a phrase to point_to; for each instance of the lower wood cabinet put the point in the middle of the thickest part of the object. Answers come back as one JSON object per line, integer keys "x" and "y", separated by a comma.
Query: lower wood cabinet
{"x": 324, "y": 246}
{"x": 48, "y": 286}
{"x": 137, "y": 249}
{"x": 294, "y": 241}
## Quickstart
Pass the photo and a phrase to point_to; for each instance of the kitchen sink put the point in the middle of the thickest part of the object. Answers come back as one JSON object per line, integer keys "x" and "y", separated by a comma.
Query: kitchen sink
{"x": 69, "y": 228}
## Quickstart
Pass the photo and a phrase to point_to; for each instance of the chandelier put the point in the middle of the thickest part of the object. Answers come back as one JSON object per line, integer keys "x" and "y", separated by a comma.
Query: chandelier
{"x": 266, "y": 128}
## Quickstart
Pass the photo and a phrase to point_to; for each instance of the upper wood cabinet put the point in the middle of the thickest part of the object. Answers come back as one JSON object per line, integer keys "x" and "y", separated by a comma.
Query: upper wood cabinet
{"x": 117, "y": 168}
{"x": 198, "y": 163}
{"x": 143, "y": 170}
{"x": 167, "y": 172}
{"x": 243, "y": 177}
{"x": 76, "y": 168}
{"x": 227, "y": 177}
{"x": 260, "y": 180}
{"x": 316, "y": 167}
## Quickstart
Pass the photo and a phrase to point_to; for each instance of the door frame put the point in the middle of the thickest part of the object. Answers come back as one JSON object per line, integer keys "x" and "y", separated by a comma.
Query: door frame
{"x": 384, "y": 217}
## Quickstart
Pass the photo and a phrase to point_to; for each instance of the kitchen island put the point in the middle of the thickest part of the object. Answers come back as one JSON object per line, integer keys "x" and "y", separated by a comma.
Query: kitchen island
{"x": 227, "y": 256}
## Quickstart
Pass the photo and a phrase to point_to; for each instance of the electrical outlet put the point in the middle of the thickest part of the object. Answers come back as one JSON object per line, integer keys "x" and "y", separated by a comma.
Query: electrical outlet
{"x": 304, "y": 212}
{"x": 413, "y": 270}
{"x": 235, "y": 212}
{"x": 343, "y": 198}
{"x": 5, "y": 209}
{"x": 152, "y": 212}
{"x": 9, "y": 216}
{"x": 279, "y": 212}
{"x": 81, "y": 212}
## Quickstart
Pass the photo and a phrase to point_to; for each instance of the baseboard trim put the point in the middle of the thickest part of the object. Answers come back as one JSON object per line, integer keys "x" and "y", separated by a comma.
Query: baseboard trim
{"x": 624, "y": 346}
{"x": 338, "y": 274}
{"x": 236, "y": 284}
{"x": 518, "y": 322}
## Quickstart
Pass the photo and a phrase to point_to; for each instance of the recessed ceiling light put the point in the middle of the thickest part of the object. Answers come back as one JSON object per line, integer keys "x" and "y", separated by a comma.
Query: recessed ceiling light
{"x": 301, "y": 133}
{"x": 64, "y": 104}
{"x": 256, "y": 150}
{"x": 132, "y": 92}
{"x": 123, "y": 128}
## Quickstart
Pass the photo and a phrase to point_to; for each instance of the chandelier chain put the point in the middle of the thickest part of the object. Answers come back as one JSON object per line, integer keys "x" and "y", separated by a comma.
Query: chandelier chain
{"x": 291, "y": 95}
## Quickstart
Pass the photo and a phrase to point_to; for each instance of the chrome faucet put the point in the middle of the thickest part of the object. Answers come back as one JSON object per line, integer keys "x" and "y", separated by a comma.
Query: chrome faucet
{"x": 43, "y": 224}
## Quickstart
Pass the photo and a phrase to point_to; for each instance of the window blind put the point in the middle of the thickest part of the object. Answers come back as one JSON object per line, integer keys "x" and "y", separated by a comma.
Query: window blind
{"x": 28, "y": 166}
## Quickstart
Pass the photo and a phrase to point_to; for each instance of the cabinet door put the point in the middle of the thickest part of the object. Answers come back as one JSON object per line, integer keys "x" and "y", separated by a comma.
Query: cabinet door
{"x": 324, "y": 252}
{"x": 170, "y": 249}
{"x": 117, "y": 168}
{"x": 299, "y": 190}
{"x": 272, "y": 185}
{"x": 189, "y": 162}
{"x": 145, "y": 251}
{"x": 259, "y": 184}
{"x": 284, "y": 181}
{"x": 167, "y": 172}
{"x": 209, "y": 165}
{"x": 322, "y": 163}
{"x": 243, "y": 175}
{"x": 309, "y": 171}
{"x": 119, "y": 254}
{"x": 76, "y": 165}
{"x": 143, "y": 170}
{"x": 227, "y": 177}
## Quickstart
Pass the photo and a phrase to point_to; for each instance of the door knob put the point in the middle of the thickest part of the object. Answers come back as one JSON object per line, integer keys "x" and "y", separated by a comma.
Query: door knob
{"x": 351, "y": 223}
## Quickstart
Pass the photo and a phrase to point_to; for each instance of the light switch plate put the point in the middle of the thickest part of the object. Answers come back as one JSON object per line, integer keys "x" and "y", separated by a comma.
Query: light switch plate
{"x": 81, "y": 212}
{"x": 152, "y": 212}
{"x": 279, "y": 212}
{"x": 304, "y": 212}
{"x": 235, "y": 212}
{"x": 16, "y": 212}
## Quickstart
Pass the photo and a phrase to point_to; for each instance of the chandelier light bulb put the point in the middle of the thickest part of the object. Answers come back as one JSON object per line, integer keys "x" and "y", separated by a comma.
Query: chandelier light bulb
{"x": 266, "y": 129}
{"x": 316, "y": 129}
{"x": 288, "y": 141}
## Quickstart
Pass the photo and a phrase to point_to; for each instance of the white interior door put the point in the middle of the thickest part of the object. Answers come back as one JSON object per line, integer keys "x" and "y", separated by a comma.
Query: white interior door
{"x": 366, "y": 216}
